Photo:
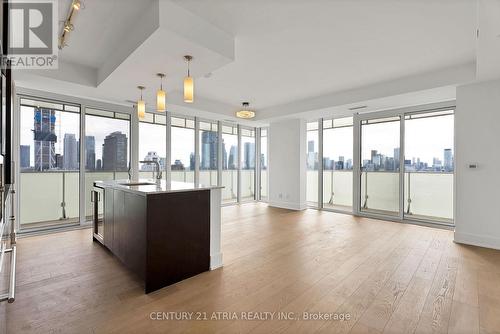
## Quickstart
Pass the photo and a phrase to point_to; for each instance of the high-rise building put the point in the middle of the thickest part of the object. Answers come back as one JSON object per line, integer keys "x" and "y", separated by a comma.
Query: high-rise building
{"x": 232, "y": 161}
{"x": 249, "y": 156}
{"x": 98, "y": 164}
{"x": 396, "y": 155}
{"x": 224, "y": 155}
{"x": 448, "y": 160}
{"x": 89, "y": 152}
{"x": 192, "y": 161}
{"x": 151, "y": 156}
{"x": 178, "y": 165}
{"x": 208, "y": 150}
{"x": 45, "y": 138}
{"x": 70, "y": 152}
{"x": 114, "y": 152}
{"x": 310, "y": 146}
{"x": 25, "y": 156}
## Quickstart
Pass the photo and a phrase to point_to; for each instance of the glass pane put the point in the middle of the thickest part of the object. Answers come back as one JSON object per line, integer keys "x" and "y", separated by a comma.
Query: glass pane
{"x": 263, "y": 164}
{"x": 380, "y": 166}
{"x": 208, "y": 154}
{"x": 247, "y": 158}
{"x": 89, "y": 111}
{"x": 161, "y": 119}
{"x": 49, "y": 166}
{"x": 148, "y": 117}
{"x": 229, "y": 167}
{"x": 312, "y": 164}
{"x": 183, "y": 158}
{"x": 337, "y": 168}
{"x": 42, "y": 104}
{"x": 178, "y": 121}
{"x": 429, "y": 166}
{"x": 152, "y": 147}
{"x": 107, "y": 147}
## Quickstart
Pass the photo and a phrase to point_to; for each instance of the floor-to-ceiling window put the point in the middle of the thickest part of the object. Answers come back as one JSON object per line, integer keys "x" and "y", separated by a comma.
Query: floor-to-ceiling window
{"x": 182, "y": 149}
{"x": 337, "y": 163}
{"x": 208, "y": 152}
{"x": 312, "y": 163}
{"x": 230, "y": 163}
{"x": 49, "y": 185}
{"x": 429, "y": 166}
{"x": 247, "y": 163}
{"x": 406, "y": 163}
{"x": 263, "y": 164}
{"x": 107, "y": 150}
{"x": 152, "y": 144}
{"x": 379, "y": 165}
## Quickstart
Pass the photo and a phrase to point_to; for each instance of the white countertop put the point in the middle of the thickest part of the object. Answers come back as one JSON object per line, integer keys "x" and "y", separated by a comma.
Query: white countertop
{"x": 150, "y": 186}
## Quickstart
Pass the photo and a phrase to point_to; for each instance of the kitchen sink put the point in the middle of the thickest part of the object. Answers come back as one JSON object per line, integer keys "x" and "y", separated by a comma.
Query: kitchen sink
{"x": 131, "y": 184}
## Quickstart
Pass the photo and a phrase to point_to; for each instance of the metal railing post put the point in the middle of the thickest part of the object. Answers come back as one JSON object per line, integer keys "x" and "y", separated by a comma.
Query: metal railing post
{"x": 408, "y": 210}
{"x": 63, "y": 203}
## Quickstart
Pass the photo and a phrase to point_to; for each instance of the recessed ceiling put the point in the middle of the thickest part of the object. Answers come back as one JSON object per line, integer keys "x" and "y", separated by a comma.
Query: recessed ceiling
{"x": 290, "y": 50}
{"x": 270, "y": 53}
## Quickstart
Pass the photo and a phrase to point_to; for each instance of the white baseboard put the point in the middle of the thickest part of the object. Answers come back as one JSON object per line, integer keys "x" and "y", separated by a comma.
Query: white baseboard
{"x": 288, "y": 205}
{"x": 477, "y": 240}
{"x": 215, "y": 261}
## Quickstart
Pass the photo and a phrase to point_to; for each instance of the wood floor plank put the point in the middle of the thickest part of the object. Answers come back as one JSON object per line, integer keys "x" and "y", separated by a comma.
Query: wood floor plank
{"x": 388, "y": 277}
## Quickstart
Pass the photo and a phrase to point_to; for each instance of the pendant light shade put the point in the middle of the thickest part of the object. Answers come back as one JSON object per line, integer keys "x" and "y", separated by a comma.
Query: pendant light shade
{"x": 161, "y": 96}
{"x": 141, "y": 105}
{"x": 188, "y": 83}
{"x": 245, "y": 112}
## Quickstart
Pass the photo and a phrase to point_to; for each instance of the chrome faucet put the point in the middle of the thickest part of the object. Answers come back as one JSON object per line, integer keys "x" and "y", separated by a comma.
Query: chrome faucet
{"x": 157, "y": 167}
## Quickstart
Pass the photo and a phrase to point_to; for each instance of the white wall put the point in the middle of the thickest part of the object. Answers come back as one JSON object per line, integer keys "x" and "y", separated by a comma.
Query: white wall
{"x": 477, "y": 140}
{"x": 287, "y": 164}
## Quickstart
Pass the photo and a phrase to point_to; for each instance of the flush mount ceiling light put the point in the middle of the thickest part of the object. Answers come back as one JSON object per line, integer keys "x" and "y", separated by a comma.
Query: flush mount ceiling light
{"x": 68, "y": 27}
{"x": 188, "y": 83}
{"x": 245, "y": 112}
{"x": 141, "y": 105}
{"x": 161, "y": 95}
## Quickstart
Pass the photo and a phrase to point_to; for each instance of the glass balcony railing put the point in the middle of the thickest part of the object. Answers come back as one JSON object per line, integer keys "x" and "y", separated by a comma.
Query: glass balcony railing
{"x": 427, "y": 195}
{"x": 337, "y": 189}
{"x": 52, "y": 198}
{"x": 49, "y": 198}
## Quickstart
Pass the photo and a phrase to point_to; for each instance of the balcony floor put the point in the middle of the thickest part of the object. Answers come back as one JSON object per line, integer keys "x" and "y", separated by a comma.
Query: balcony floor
{"x": 389, "y": 277}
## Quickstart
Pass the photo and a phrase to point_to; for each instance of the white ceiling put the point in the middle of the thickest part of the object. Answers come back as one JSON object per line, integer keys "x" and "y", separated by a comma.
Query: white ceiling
{"x": 290, "y": 50}
{"x": 99, "y": 29}
{"x": 284, "y": 50}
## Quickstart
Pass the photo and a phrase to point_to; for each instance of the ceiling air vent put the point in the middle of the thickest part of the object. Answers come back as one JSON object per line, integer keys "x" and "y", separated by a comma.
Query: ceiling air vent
{"x": 358, "y": 107}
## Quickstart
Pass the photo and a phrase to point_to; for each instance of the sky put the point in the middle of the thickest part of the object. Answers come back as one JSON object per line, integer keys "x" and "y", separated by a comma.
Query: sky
{"x": 425, "y": 138}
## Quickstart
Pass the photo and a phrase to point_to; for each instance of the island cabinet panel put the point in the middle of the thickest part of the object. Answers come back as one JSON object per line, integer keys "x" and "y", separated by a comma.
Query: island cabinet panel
{"x": 178, "y": 234}
{"x": 108, "y": 218}
{"x": 160, "y": 234}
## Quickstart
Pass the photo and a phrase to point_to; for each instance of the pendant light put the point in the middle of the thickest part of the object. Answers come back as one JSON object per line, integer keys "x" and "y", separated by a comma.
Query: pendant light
{"x": 245, "y": 112}
{"x": 161, "y": 96}
{"x": 188, "y": 83}
{"x": 141, "y": 105}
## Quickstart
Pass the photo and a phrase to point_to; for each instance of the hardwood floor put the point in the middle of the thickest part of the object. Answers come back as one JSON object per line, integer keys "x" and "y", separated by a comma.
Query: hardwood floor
{"x": 386, "y": 277}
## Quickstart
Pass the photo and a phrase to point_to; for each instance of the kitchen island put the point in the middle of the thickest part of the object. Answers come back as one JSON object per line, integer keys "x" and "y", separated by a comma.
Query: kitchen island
{"x": 162, "y": 231}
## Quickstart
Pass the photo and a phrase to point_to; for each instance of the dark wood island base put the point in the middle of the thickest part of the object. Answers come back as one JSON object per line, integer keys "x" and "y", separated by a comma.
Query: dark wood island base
{"x": 161, "y": 234}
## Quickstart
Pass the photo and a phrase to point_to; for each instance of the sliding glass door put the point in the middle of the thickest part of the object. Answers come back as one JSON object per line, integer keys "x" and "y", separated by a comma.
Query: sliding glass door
{"x": 429, "y": 166}
{"x": 107, "y": 150}
{"x": 49, "y": 164}
{"x": 379, "y": 165}
{"x": 405, "y": 162}
{"x": 337, "y": 163}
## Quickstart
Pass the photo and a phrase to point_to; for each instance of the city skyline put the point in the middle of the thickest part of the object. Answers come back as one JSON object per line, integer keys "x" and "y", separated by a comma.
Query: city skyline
{"x": 381, "y": 162}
